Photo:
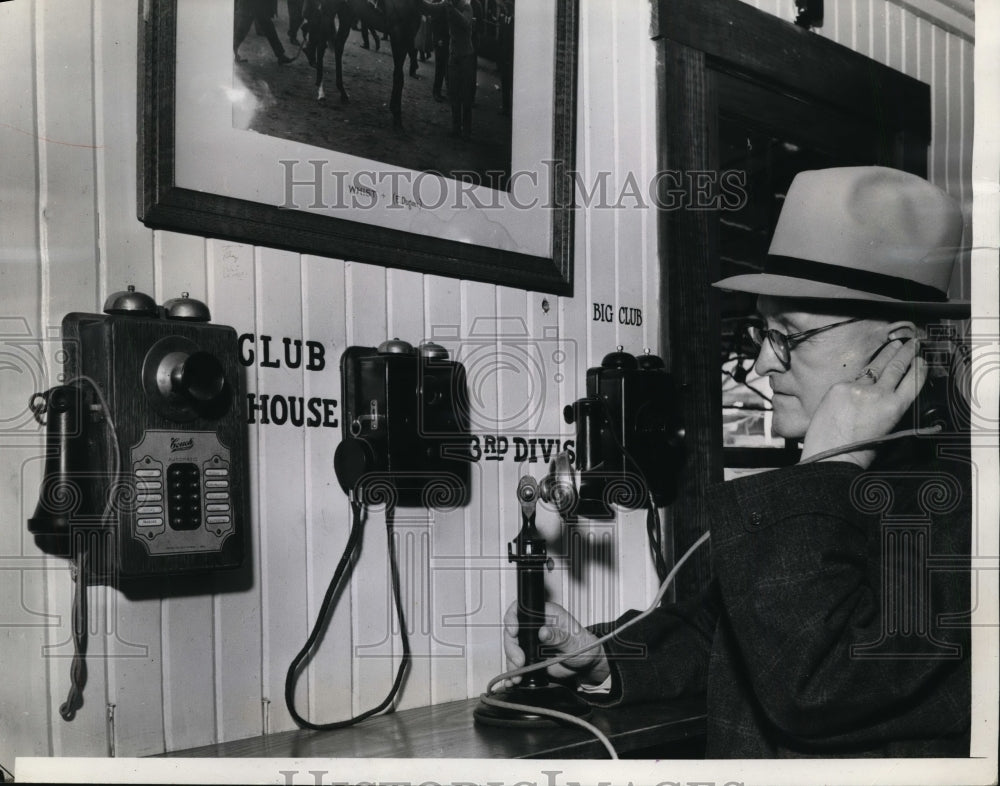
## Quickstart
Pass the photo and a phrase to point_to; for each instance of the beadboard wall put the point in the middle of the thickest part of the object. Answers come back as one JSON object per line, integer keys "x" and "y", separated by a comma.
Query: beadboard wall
{"x": 191, "y": 669}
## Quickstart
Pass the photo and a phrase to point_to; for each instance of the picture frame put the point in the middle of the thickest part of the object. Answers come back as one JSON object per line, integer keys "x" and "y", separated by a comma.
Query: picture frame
{"x": 199, "y": 173}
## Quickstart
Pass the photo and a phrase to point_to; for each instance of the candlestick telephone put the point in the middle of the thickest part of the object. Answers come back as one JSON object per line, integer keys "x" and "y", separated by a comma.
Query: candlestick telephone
{"x": 146, "y": 440}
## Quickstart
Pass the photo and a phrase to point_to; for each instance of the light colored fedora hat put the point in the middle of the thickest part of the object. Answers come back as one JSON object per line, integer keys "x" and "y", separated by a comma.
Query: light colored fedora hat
{"x": 863, "y": 233}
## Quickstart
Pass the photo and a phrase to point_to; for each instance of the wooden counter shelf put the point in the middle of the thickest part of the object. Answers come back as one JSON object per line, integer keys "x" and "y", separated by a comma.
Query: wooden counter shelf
{"x": 656, "y": 730}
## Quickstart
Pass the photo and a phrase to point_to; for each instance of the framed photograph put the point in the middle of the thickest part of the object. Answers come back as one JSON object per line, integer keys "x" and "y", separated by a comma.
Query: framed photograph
{"x": 469, "y": 173}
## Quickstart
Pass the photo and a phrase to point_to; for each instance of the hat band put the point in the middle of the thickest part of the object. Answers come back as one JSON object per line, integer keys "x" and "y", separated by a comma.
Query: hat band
{"x": 874, "y": 283}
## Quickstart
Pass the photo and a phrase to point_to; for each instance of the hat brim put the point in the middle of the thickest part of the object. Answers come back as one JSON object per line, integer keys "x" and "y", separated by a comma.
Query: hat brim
{"x": 789, "y": 287}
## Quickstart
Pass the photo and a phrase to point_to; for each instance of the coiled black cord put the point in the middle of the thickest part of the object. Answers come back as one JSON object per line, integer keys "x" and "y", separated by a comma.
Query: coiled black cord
{"x": 78, "y": 668}
{"x": 652, "y": 514}
{"x": 291, "y": 677}
{"x": 655, "y": 540}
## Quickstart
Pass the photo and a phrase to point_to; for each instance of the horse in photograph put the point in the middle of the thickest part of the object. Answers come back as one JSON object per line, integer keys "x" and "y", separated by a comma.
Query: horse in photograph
{"x": 331, "y": 21}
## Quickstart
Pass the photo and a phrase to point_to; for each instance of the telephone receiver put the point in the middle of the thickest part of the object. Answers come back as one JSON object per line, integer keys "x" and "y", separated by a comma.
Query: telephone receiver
{"x": 937, "y": 405}
{"x": 146, "y": 442}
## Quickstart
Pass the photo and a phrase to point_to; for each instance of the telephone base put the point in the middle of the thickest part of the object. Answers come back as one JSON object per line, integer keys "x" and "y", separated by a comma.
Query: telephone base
{"x": 551, "y": 697}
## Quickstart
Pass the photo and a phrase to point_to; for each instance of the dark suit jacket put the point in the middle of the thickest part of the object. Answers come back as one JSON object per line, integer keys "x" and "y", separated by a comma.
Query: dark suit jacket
{"x": 835, "y": 621}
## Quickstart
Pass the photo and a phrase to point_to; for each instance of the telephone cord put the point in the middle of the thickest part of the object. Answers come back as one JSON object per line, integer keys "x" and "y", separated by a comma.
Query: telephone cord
{"x": 652, "y": 515}
{"x": 79, "y": 617}
{"x": 654, "y": 537}
{"x": 78, "y": 666}
{"x": 326, "y": 609}
{"x": 869, "y": 443}
{"x": 487, "y": 697}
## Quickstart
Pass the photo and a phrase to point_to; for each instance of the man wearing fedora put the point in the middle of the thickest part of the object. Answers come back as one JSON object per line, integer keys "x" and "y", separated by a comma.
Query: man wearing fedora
{"x": 835, "y": 621}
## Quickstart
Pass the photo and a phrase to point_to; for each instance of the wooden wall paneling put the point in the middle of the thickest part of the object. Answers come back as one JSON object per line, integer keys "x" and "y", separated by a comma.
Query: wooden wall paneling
{"x": 68, "y": 241}
{"x": 281, "y": 481}
{"x": 647, "y": 248}
{"x": 555, "y": 360}
{"x": 602, "y": 135}
{"x": 962, "y": 282}
{"x": 947, "y": 115}
{"x": 898, "y": 37}
{"x": 327, "y": 512}
{"x": 575, "y": 316}
{"x": 598, "y": 162}
{"x": 858, "y": 38}
{"x": 925, "y": 72}
{"x": 878, "y": 21}
{"x": 450, "y": 566}
{"x": 488, "y": 526}
{"x": 126, "y": 244}
{"x": 860, "y": 27}
{"x": 188, "y": 629}
{"x": 372, "y": 661}
{"x": 179, "y": 266}
{"x": 236, "y": 612}
{"x": 244, "y": 266}
{"x": 865, "y": 24}
{"x": 134, "y": 632}
{"x": 126, "y": 257}
{"x": 956, "y": 140}
{"x": 911, "y": 44}
{"x": 940, "y": 171}
{"x": 515, "y": 379}
{"x": 29, "y": 703}
{"x": 777, "y": 7}
{"x": 405, "y": 310}
{"x": 959, "y": 165}
{"x": 638, "y": 579}
{"x": 841, "y": 14}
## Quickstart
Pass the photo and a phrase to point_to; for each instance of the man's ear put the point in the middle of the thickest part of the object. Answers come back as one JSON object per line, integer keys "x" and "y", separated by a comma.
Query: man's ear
{"x": 903, "y": 330}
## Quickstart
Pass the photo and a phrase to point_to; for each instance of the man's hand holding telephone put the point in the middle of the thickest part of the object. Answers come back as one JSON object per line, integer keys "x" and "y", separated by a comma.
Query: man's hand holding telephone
{"x": 561, "y": 634}
{"x": 870, "y": 406}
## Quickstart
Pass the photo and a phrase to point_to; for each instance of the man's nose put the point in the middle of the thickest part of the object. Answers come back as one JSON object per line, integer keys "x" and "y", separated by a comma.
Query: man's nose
{"x": 767, "y": 361}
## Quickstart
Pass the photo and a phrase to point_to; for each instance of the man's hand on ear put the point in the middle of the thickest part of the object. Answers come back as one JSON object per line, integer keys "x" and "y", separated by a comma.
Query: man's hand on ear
{"x": 868, "y": 407}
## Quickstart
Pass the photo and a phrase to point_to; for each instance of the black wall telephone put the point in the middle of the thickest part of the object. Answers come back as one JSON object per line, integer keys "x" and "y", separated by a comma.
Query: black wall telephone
{"x": 629, "y": 440}
{"x": 406, "y": 426}
{"x": 146, "y": 441}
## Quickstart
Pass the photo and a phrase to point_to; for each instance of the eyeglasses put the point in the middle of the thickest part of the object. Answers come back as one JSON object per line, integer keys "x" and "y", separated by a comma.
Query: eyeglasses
{"x": 784, "y": 344}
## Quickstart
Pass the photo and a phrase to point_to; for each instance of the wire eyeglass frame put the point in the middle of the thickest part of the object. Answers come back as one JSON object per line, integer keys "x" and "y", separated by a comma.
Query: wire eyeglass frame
{"x": 783, "y": 344}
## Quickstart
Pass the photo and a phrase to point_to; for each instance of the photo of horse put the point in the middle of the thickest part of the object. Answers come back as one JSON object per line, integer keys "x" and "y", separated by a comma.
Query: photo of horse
{"x": 424, "y": 85}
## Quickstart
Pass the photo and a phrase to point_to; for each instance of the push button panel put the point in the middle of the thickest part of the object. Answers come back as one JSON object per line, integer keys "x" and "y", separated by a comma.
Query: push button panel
{"x": 184, "y": 496}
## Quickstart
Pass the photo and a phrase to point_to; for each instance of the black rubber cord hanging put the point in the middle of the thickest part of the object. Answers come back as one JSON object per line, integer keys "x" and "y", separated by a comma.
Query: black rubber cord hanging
{"x": 325, "y": 609}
